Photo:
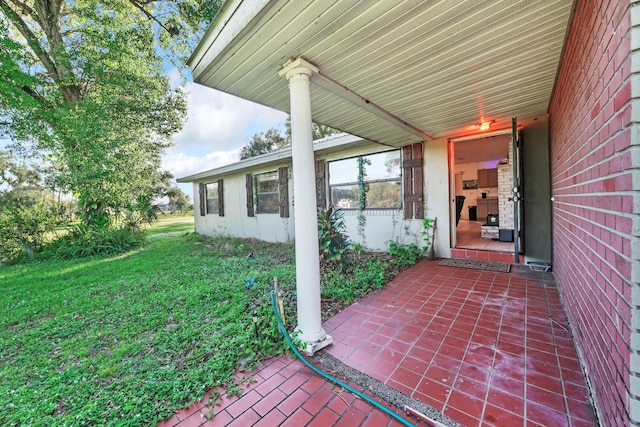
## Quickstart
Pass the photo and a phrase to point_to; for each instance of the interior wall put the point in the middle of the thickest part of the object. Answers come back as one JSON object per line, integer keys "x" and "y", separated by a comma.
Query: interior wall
{"x": 469, "y": 171}
{"x": 594, "y": 214}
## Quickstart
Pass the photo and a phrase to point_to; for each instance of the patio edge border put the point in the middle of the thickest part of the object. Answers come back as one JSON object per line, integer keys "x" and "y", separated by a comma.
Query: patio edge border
{"x": 382, "y": 391}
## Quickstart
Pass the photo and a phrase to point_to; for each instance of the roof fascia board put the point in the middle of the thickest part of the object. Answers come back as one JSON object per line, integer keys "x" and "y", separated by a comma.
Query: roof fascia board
{"x": 263, "y": 160}
{"x": 343, "y": 140}
{"x": 233, "y": 18}
{"x": 329, "y": 143}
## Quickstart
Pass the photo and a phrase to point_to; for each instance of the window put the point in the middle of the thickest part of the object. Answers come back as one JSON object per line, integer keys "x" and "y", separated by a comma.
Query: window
{"x": 380, "y": 174}
{"x": 267, "y": 195}
{"x": 212, "y": 198}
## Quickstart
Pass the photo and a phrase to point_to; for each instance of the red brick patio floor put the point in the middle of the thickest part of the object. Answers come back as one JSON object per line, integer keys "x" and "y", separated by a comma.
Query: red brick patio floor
{"x": 484, "y": 348}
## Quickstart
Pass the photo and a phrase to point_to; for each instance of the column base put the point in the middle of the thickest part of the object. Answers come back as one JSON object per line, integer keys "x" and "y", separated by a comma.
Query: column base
{"x": 312, "y": 343}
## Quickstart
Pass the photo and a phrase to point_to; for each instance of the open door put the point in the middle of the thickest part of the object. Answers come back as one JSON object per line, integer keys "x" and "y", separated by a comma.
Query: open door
{"x": 481, "y": 175}
{"x": 517, "y": 190}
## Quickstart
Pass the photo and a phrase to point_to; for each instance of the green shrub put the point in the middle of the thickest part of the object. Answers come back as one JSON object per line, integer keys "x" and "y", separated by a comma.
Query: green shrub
{"x": 83, "y": 241}
{"x": 407, "y": 254}
{"x": 428, "y": 225}
{"x": 364, "y": 279}
{"x": 333, "y": 240}
{"x": 23, "y": 230}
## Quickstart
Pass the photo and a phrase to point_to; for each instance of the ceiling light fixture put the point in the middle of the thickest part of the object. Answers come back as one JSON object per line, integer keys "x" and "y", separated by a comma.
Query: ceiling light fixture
{"x": 486, "y": 125}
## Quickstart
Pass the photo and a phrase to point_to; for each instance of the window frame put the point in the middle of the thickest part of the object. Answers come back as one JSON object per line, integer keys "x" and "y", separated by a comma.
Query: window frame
{"x": 257, "y": 192}
{"x": 208, "y": 189}
{"x": 208, "y": 199}
{"x": 396, "y": 179}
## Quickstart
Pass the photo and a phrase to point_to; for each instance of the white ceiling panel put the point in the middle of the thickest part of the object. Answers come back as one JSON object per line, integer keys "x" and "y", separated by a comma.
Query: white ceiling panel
{"x": 441, "y": 66}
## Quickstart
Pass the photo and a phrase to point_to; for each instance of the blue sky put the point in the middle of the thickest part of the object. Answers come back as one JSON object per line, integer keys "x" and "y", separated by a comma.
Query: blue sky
{"x": 217, "y": 127}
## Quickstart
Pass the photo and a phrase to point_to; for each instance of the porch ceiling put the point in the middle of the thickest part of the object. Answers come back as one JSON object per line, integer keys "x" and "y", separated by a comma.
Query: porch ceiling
{"x": 440, "y": 66}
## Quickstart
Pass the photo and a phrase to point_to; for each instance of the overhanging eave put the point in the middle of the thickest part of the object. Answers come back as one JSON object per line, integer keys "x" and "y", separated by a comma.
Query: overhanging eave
{"x": 436, "y": 68}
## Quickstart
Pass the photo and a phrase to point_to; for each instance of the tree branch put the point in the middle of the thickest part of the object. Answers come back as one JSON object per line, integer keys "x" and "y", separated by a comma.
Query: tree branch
{"x": 25, "y": 9}
{"x": 141, "y": 6}
{"x": 35, "y": 95}
{"x": 31, "y": 39}
{"x": 48, "y": 17}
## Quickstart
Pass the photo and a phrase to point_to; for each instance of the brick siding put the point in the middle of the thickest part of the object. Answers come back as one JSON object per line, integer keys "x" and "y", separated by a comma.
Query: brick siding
{"x": 593, "y": 213}
{"x": 505, "y": 191}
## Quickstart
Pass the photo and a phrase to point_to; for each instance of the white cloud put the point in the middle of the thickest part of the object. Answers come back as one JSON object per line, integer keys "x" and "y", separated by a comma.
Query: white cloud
{"x": 217, "y": 126}
{"x": 182, "y": 164}
{"x": 218, "y": 121}
{"x": 176, "y": 78}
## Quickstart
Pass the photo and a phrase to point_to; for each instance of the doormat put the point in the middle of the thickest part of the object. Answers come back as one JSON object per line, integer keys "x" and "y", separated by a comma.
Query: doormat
{"x": 501, "y": 267}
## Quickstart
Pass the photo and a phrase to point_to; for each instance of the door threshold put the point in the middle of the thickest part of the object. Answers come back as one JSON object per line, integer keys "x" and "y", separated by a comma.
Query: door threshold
{"x": 484, "y": 255}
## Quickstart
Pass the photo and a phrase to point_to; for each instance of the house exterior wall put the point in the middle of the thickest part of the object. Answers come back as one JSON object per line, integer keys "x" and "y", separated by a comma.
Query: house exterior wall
{"x": 438, "y": 194}
{"x": 381, "y": 226}
{"x": 594, "y": 213}
{"x": 235, "y": 222}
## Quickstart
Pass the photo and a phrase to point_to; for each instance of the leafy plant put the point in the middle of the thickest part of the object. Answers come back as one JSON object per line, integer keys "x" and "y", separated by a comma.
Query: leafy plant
{"x": 358, "y": 248}
{"x": 407, "y": 254}
{"x": 427, "y": 234}
{"x": 365, "y": 278}
{"x": 83, "y": 241}
{"x": 142, "y": 212}
{"x": 333, "y": 240}
{"x": 130, "y": 339}
{"x": 363, "y": 162}
{"x": 23, "y": 230}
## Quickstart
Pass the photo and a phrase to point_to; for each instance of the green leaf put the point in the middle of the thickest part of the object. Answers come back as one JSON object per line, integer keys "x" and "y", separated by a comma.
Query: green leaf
{"x": 84, "y": 85}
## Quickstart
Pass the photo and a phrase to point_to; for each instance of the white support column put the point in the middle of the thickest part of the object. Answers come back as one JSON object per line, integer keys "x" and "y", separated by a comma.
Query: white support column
{"x": 298, "y": 73}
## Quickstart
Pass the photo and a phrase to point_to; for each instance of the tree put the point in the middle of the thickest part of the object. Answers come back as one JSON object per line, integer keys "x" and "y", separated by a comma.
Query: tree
{"x": 81, "y": 82}
{"x": 27, "y": 210}
{"x": 262, "y": 143}
{"x": 273, "y": 140}
{"x": 322, "y": 131}
{"x": 19, "y": 184}
{"x": 178, "y": 200}
{"x": 167, "y": 188}
{"x": 317, "y": 131}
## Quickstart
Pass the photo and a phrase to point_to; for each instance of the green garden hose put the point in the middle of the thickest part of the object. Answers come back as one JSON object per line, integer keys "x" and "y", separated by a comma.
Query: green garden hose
{"x": 328, "y": 376}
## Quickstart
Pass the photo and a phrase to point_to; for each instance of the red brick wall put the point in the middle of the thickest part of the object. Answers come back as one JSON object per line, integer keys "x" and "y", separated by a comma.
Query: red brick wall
{"x": 592, "y": 215}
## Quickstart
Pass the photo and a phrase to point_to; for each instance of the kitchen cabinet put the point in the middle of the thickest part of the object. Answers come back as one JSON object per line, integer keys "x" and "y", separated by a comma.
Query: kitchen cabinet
{"x": 486, "y": 206}
{"x": 487, "y": 178}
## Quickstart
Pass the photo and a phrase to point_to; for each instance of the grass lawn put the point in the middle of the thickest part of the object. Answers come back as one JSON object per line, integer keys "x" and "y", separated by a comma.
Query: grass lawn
{"x": 126, "y": 340}
{"x": 167, "y": 224}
